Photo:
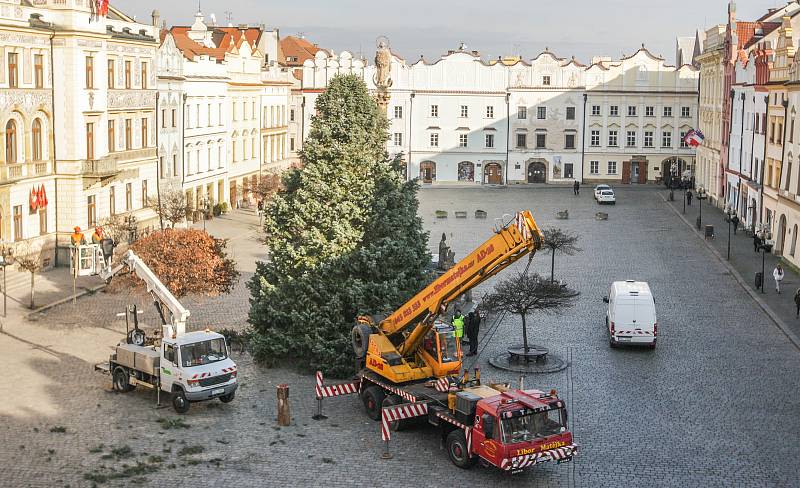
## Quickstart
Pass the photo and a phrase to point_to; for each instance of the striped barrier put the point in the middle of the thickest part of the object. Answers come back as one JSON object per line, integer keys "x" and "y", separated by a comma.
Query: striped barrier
{"x": 395, "y": 413}
{"x": 334, "y": 390}
{"x": 522, "y": 462}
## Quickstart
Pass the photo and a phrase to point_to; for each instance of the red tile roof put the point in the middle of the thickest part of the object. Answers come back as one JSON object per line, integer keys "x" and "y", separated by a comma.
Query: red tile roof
{"x": 297, "y": 48}
{"x": 746, "y": 31}
{"x": 224, "y": 38}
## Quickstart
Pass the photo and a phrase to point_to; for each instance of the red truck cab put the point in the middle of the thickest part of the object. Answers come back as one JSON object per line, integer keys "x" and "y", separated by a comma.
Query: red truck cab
{"x": 517, "y": 429}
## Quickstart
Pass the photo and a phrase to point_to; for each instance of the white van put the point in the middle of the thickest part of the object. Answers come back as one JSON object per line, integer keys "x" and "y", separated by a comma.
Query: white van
{"x": 631, "y": 315}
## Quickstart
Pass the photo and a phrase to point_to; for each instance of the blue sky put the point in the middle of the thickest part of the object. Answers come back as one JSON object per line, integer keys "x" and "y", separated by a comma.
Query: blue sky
{"x": 582, "y": 28}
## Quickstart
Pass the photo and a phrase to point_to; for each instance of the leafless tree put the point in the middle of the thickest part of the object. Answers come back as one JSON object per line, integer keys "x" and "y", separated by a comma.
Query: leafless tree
{"x": 267, "y": 185}
{"x": 29, "y": 258}
{"x": 559, "y": 241}
{"x": 173, "y": 207}
{"x": 523, "y": 294}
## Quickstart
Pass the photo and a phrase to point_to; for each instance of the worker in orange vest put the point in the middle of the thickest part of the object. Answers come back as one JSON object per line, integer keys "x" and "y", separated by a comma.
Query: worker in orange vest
{"x": 77, "y": 238}
{"x": 97, "y": 236}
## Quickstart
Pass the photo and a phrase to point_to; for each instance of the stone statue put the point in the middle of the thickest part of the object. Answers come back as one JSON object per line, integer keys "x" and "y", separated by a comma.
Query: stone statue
{"x": 383, "y": 63}
{"x": 446, "y": 256}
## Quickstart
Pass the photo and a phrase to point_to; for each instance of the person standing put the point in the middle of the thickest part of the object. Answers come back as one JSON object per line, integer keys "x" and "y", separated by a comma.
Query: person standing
{"x": 97, "y": 235}
{"x": 575, "y": 187}
{"x": 77, "y": 238}
{"x": 475, "y": 329}
{"x": 777, "y": 274}
{"x": 735, "y": 222}
{"x": 756, "y": 243}
{"x": 797, "y": 302}
{"x": 458, "y": 325}
{"x": 689, "y": 198}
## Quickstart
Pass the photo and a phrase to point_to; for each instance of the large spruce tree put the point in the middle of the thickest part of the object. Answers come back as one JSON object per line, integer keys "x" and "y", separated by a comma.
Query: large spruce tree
{"x": 343, "y": 238}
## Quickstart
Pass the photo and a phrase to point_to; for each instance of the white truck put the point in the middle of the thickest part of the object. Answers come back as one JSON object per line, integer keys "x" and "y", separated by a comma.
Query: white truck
{"x": 190, "y": 367}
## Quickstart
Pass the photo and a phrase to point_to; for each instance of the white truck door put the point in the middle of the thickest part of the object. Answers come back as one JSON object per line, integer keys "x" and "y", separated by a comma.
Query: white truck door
{"x": 169, "y": 365}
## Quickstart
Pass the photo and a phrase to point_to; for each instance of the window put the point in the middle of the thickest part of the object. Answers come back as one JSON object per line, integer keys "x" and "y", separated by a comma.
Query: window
{"x": 612, "y": 138}
{"x": 570, "y": 113}
{"x": 144, "y": 76}
{"x": 434, "y": 139}
{"x": 648, "y": 138}
{"x": 464, "y": 111}
{"x": 112, "y": 201}
{"x": 13, "y": 70}
{"x": 522, "y": 113}
{"x": 595, "y": 109}
{"x": 667, "y": 111}
{"x": 90, "y": 141}
{"x": 489, "y": 140}
{"x": 398, "y": 113}
{"x": 522, "y": 140}
{"x": 163, "y": 118}
{"x": 11, "y": 142}
{"x": 174, "y": 165}
{"x": 38, "y": 70}
{"x": 683, "y": 140}
{"x": 36, "y": 135}
{"x": 219, "y": 110}
{"x": 594, "y": 139}
{"x": 666, "y": 138}
{"x": 127, "y": 75}
{"x": 631, "y": 111}
{"x": 42, "y": 221}
{"x": 594, "y": 167}
{"x": 463, "y": 139}
{"x": 398, "y": 140}
{"x": 174, "y": 118}
{"x": 18, "y": 223}
{"x": 541, "y": 113}
{"x": 541, "y": 140}
{"x": 144, "y": 193}
{"x": 111, "y": 73}
{"x": 546, "y": 80}
{"x": 569, "y": 141}
{"x": 612, "y": 167}
{"x": 128, "y": 133}
{"x": 129, "y": 197}
{"x": 630, "y": 138}
{"x": 208, "y": 114}
{"x": 91, "y": 211}
{"x": 489, "y": 112}
{"x": 613, "y": 111}
{"x": 686, "y": 112}
{"x": 145, "y": 142}
{"x": 291, "y": 142}
{"x": 791, "y": 131}
{"x": 434, "y": 110}
{"x": 649, "y": 111}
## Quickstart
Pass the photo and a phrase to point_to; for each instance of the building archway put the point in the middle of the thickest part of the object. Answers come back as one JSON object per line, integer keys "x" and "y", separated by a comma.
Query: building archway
{"x": 427, "y": 171}
{"x": 779, "y": 242}
{"x": 466, "y": 171}
{"x": 537, "y": 172}
{"x": 493, "y": 173}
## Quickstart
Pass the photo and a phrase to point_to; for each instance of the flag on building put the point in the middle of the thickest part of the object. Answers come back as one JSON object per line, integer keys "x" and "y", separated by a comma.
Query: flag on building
{"x": 694, "y": 138}
{"x": 99, "y": 9}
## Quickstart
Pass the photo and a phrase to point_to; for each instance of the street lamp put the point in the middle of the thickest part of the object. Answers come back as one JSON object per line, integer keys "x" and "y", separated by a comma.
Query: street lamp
{"x": 6, "y": 258}
{"x": 729, "y": 213}
{"x": 764, "y": 236}
{"x": 701, "y": 195}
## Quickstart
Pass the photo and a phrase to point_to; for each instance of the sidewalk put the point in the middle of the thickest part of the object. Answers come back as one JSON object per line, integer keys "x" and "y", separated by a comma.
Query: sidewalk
{"x": 746, "y": 262}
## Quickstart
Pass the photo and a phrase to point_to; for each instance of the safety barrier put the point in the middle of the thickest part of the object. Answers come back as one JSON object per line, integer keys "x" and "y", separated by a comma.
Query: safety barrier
{"x": 396, "y": 413}
{"x": 333, "y": 390}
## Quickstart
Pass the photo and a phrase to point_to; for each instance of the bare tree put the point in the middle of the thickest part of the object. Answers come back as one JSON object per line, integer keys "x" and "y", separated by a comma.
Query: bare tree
{"x": 173, "y": 207}
{"x": 523, "y": 294}
{"x": 29, "y": 258}
{"x": 559, "y": 241}
{"x": 267, "y": 185}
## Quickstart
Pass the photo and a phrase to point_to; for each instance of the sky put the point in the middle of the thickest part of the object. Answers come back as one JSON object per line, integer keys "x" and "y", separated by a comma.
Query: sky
{"x": 580, "y": 28}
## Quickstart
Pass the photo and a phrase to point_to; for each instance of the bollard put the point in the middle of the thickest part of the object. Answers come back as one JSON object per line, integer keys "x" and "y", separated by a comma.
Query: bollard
{"x": 284, "y": 418}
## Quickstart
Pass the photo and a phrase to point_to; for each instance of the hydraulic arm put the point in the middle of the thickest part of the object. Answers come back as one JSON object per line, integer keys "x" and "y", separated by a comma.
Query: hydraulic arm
{"x": 395, "y": 350}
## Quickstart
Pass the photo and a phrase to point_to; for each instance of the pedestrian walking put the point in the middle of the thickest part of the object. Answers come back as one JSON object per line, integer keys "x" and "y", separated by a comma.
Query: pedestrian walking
{"x": 797, "y": 302}
{"x": 756, "y": 243}
{"x": 735, "y": 222}
{"x": 575, "y": 188}
{"x": 689, "y": 198}
{"x": 778, "y": 274}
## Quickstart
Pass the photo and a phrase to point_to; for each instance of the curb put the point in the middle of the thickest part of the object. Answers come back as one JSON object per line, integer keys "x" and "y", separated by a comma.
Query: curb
{"x": 56, "y": 303}
{"x": 739, "y": 279}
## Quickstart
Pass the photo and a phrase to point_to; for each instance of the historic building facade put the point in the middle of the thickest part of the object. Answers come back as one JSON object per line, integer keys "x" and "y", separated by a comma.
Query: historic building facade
{"x": 709, "y": 171}
{"x": 171, "y": 96}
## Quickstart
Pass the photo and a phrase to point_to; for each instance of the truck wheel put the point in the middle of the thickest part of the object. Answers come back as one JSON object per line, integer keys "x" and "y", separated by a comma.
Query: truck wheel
{"x": 121, "y": 382}
{"x": 360, "y": 340}
{"x": 457, "y": 449}
{"x": 227, "y": 398}
{"x": 373, "y": 399}
{"x": 612, "y": 343}
{"x": 395, "y": 425}
{"x": 179, "y": 401}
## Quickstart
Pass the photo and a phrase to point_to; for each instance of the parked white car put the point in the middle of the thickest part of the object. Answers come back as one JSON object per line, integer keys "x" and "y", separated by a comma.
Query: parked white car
{"x": 631, "y": 315}
{"x": 598, "y": 189}
{"x": 607, "y": 196}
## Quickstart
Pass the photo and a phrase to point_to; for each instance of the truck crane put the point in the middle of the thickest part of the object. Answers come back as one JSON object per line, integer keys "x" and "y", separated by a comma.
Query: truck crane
{"x": 410, "y": 367}
{"x": 190, "y": 367}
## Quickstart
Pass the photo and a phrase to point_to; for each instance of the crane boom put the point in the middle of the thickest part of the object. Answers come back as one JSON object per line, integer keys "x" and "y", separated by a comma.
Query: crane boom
{"x": 394, "y": 351}
{"x": 160, "y": 293}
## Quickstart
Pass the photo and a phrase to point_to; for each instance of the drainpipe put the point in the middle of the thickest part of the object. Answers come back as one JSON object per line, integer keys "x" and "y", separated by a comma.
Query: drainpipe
{"x": 508, "y": 136}
{"x": 583, "y": 138}
{"x": 53, "y": 137}
{"x": 410, "y": 133}
{"x": 159, "y": 169}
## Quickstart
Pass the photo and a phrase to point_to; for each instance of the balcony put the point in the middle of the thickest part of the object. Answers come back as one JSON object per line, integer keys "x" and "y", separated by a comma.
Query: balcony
{"x": 10, "y": 173}
{"x": 99, "y": 168}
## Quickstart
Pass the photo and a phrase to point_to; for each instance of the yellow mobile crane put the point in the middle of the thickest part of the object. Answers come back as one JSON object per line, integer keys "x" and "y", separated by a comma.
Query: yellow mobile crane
{"x": 410, "y": 345}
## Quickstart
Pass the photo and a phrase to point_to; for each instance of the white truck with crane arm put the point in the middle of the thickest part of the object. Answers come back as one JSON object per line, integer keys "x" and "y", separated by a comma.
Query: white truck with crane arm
{"x": 190, "y": 367}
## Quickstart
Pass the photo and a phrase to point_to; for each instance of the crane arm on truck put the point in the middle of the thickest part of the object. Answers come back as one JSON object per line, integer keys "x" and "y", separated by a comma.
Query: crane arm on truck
{"x": 162, "y": 297}
{"x": 394, "y": 349}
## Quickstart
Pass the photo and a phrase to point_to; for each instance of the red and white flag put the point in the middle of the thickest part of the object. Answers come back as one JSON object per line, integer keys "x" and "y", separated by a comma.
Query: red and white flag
{"x": 694, "y": 138}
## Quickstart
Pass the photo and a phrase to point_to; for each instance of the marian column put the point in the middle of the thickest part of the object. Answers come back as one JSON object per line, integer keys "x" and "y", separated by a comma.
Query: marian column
{"x": 383, "y": 65}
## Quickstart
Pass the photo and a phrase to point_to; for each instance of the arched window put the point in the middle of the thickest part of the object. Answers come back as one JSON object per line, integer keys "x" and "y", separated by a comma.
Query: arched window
{"x": 11, "y": 142}
{"x": 36, "y": 132}
{"x": 794, "y": 240}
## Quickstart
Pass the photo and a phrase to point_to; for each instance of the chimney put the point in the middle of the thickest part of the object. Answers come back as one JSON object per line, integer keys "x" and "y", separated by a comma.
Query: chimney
{"x": 156, "y": 17}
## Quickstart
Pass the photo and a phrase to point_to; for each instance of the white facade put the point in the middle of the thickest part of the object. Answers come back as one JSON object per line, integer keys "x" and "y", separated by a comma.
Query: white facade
{"x": 171, "y": 90}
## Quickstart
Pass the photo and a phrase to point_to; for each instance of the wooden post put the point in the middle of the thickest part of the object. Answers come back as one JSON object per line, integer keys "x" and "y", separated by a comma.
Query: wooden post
{"x": 284, "y": 418}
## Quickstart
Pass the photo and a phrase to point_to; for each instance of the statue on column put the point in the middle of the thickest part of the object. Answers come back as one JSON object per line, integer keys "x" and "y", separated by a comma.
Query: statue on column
{"x": 383, "y": 68}
{"x": 446, "y": 256}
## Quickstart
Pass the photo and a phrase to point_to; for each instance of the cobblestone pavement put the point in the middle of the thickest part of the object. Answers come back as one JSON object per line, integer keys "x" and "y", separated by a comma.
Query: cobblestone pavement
{"x": 714, "y": 405}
